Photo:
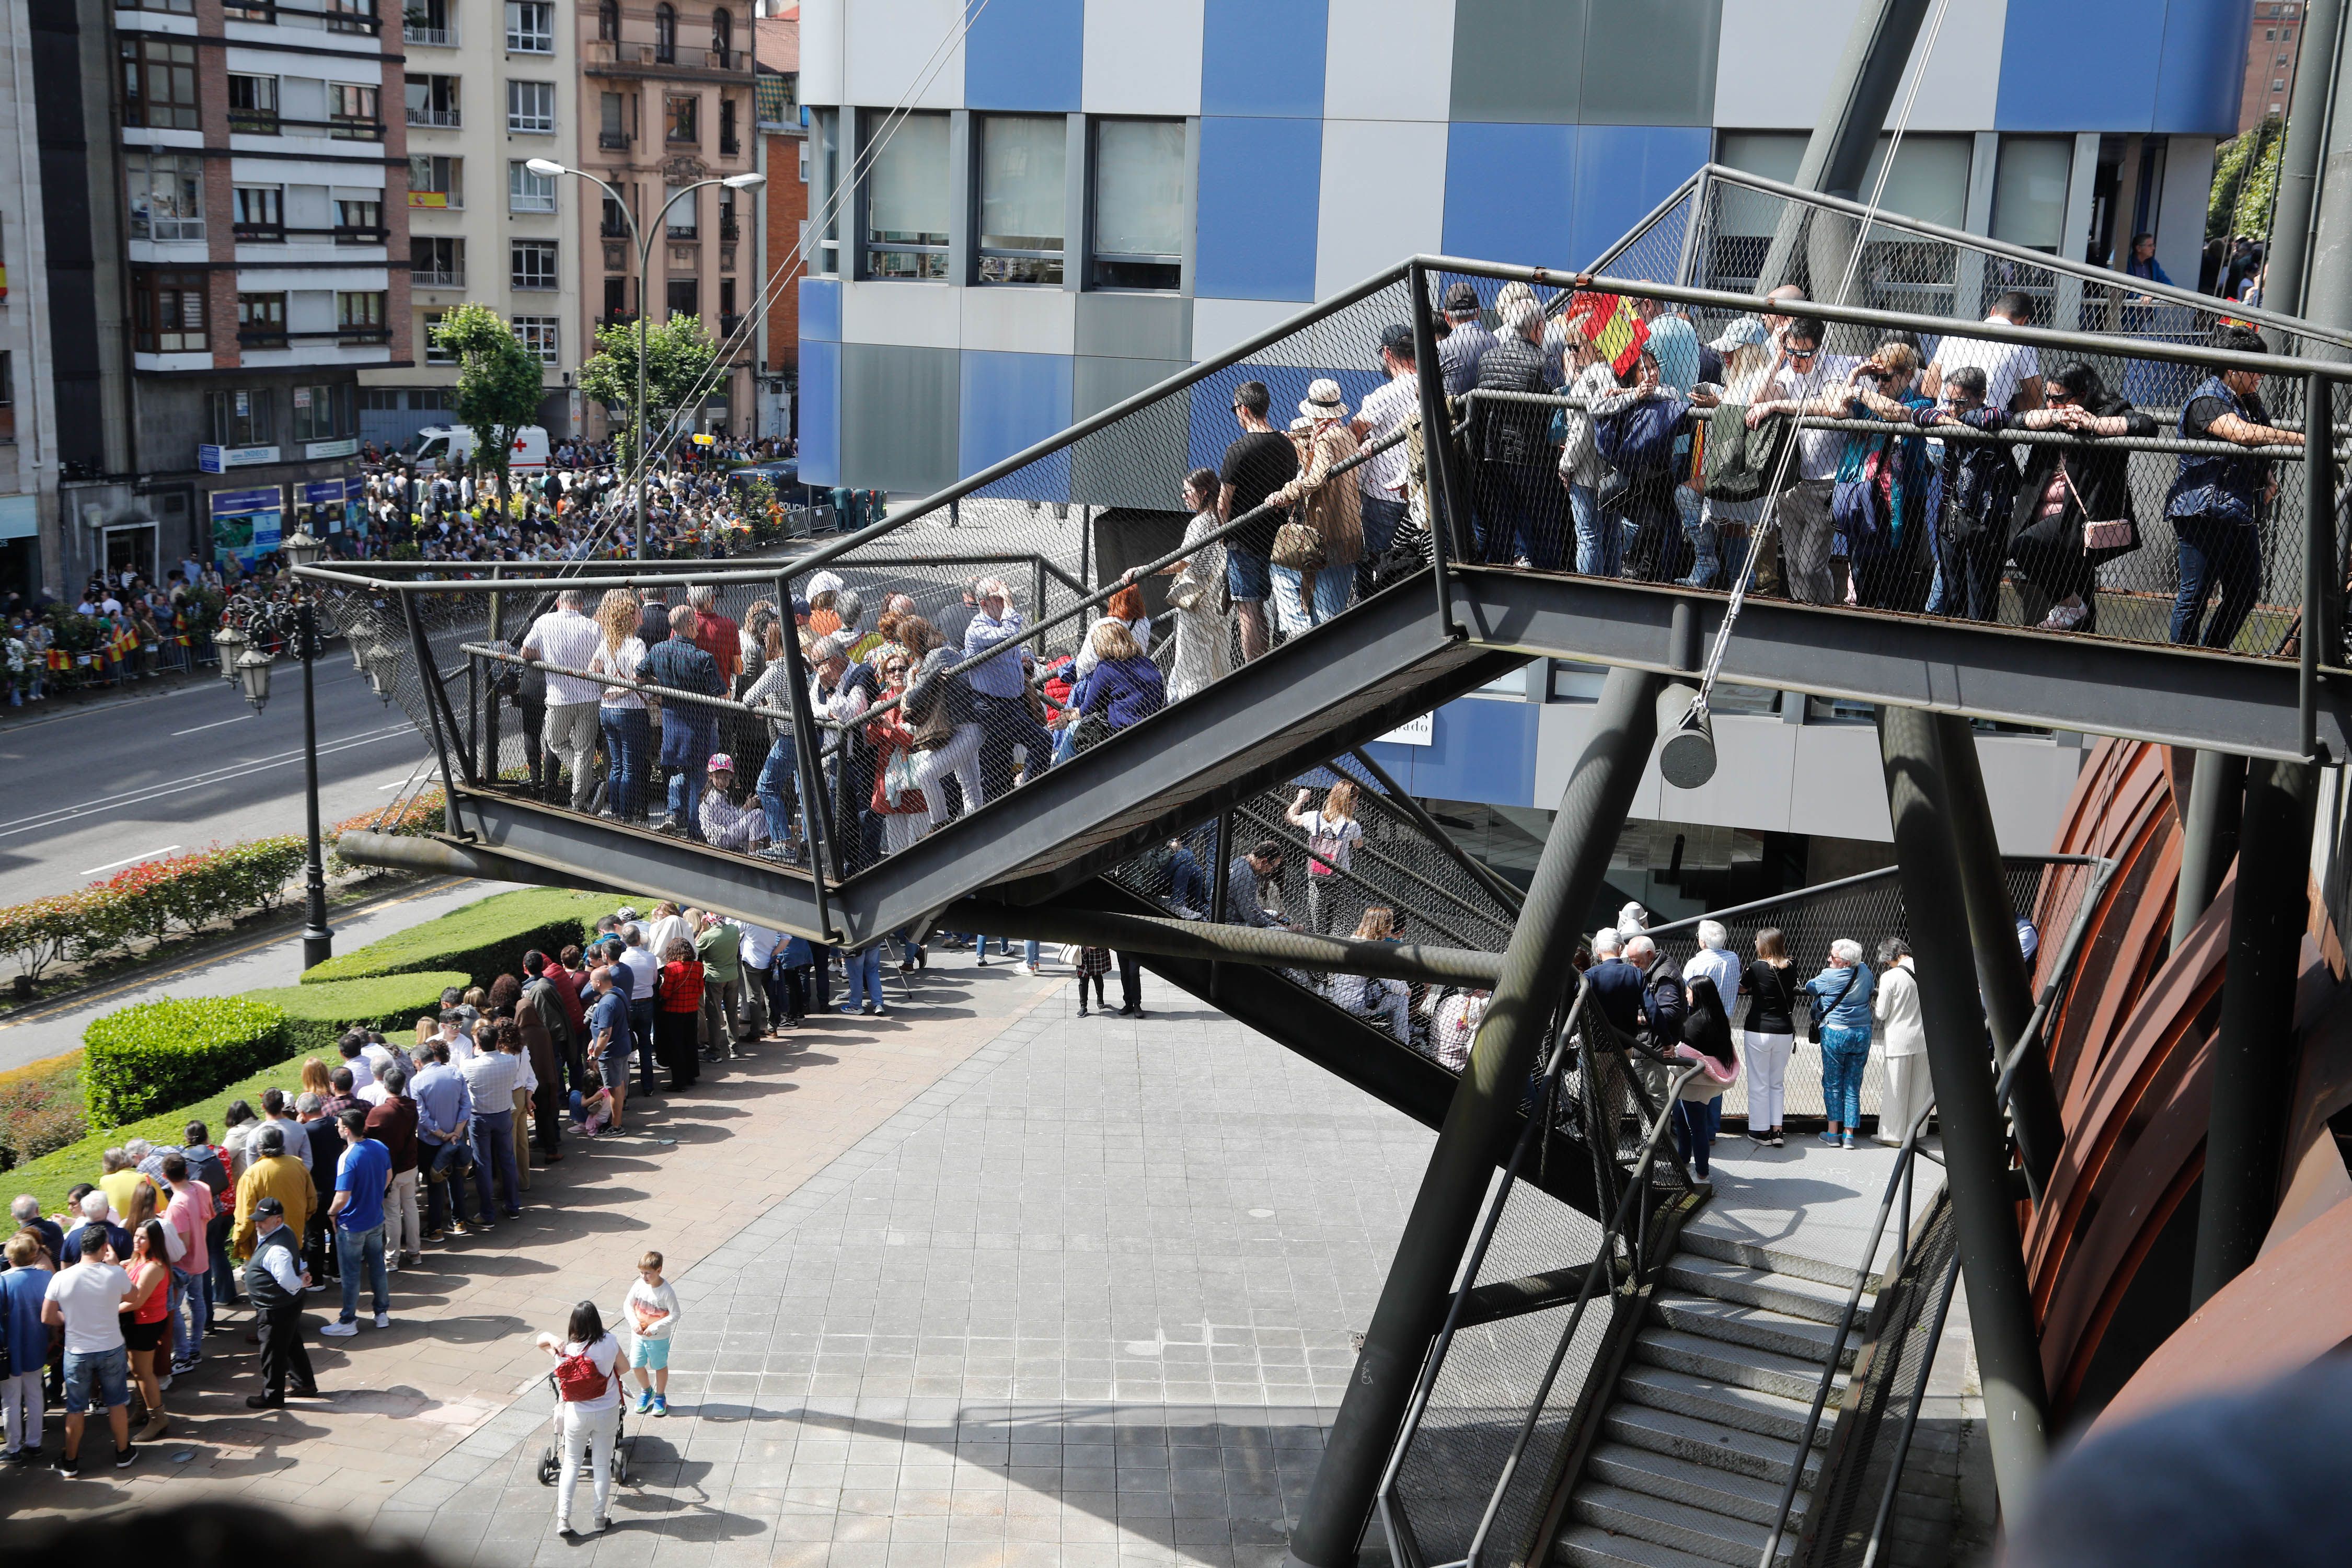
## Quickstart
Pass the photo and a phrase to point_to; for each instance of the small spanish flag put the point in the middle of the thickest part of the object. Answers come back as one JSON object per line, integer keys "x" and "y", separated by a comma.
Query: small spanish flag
{"x": 1610, "y": 323}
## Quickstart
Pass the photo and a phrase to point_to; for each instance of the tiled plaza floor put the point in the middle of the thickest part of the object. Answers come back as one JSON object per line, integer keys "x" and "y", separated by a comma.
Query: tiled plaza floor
{"x": 1086, "y": 1300}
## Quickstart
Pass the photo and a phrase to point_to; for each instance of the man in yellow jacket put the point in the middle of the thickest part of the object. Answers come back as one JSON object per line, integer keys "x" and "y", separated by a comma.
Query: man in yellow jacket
{"x": 275, "y": 1175}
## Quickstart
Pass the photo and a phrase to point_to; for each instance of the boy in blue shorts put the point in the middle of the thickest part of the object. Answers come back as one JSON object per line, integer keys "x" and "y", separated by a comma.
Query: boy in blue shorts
{"x": 652, "y": 1311}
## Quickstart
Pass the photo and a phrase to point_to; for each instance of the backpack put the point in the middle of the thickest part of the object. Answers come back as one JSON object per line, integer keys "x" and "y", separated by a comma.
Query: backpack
{"x": 1640, "y": 437}
{"x": 577, "y": 1378}
{"x": 204, "y": 1165}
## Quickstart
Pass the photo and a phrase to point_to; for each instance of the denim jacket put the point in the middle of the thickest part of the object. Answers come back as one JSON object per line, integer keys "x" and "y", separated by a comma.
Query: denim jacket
{"x": 2225, "y": 489}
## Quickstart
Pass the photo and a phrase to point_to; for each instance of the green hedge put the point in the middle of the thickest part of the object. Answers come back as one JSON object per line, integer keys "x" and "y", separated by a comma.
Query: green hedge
{"x": 136, "y": 1060}
{"x": 483, "y": 940}
{"x": 317, "y": 1015}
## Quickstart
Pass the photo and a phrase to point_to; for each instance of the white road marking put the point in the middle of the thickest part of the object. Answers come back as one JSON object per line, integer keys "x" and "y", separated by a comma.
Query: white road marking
{"x": 214, "y": 725}
{"x": 131, "y": 860}
{"x": 195, "y": 781}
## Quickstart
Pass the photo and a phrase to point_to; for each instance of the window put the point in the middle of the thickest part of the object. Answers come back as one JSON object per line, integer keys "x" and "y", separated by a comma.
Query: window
{"x": 1139, "y": 203}
{"x": 433, "y": 101}
{"x": 2278, "y": 84}
{"x": 617, "y": 220}
{"x": 353, "y": 106}
{"x": 527, "y": 192}
{"x": 728, "y": 228}
{"x": 611, "y": 126}
{"x": 168, "y": 312}
{"x": 722, "y": 40}
{"x": 359, "y": 220}
{"x": 429, "y": 335}
{"x": 665, "y": 35}
{"x": 182, "y": 8}
{"x": 7, "y": 395}
{"x": 533, "y": 264}
{"x": 159, "y": 84}
{"x": 435, "y": 182}
{"x": 322, "y": 413}
{"x": 530, "y": 107}
{"x": 261, "y": 212}
{"x": 261, "y": 321}
{"x": 530, "y": 28}
{"x": 428, "y": 22}
{"x": 907, "y": 201}
{"x": 438, "y": 262}
{"x": 616, "y": 300}
{"x": 1022, "y": 161}
{"x": 608, "y": 21}
{"x": 824, "y": 136}
{"x": 253, "y": 104}
{"x": 683, "y": 297}
{"x": 359, "y": 316}
{"x": 683, "y": 217}
{"x": 244, "y": 418}
{"x": 681, "y": 114}
{"x": 2029, "y": 193}
{"x": 729, "y": 144}
{"x": 538, "y": 334}
{"x": 727, "y": 305}
{"x": 167, "y": 194}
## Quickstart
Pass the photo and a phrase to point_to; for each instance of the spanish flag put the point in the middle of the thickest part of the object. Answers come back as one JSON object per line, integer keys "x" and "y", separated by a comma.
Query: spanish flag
{"x": 1610, "y": 323}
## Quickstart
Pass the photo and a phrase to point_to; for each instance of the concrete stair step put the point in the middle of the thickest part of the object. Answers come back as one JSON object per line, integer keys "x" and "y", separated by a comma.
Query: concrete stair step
{"x": 1725, "y": 1404}
{"x": 1714, "y": 1536}
{"x": 1693, "y": 1483}
{"x": 1707, "y": 1443}
{"x": 1714, "y": 1236}
{"x": 1736, "y": 1323}
{"x": 1788, "y": 1293}
{"x": 1587, "y": 1546}
{"x": 1744, "y": 1365}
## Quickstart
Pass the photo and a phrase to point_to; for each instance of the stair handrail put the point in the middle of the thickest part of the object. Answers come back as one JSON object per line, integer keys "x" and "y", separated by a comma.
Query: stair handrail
{"x": 1603, "y": 1259}
{"x": 1898, "y": 1181}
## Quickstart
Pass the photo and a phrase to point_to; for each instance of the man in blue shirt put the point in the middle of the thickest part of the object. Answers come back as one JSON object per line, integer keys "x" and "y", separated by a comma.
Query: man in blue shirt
{"x": 999, "y": 687}
{"x": 443, "y": 1108}
{"x": 608, "y": 1031}
{"x": 689, "y": 729}
{"x": 362, "y": 1177}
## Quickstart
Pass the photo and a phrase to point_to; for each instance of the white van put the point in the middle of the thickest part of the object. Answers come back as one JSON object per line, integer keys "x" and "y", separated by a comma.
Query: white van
{"x": 439, "y": 446}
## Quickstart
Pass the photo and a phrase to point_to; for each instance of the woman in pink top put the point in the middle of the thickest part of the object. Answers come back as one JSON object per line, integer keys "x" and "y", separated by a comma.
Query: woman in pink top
{"x": 189, "y": 1216}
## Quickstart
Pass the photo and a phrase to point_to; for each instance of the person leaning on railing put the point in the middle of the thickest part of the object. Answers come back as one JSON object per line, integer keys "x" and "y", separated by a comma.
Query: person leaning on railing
{"x": 1000, "y": 687}
{"x": 2215, "y": 502}
{"x": 2069, "y": 493}
{"x": 1883, "y": 482}
{"x": 1804, "y": 381}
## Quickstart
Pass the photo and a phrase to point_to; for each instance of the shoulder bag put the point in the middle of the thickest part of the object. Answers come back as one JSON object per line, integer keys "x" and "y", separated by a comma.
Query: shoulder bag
{"x": 577, "y": 1378}
{"x": 2113, "y": 537}
{"x": 1298, "y": 547}
{"x": 1817, "y": 1011}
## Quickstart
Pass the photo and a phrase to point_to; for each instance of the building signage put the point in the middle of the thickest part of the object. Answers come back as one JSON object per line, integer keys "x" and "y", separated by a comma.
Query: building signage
{"x": 214, "y": 459}
{"x": 318, "y": 451}
{"x": 321, "y": 504}
{"x": 246, "y": 525}
{"x": 1421, "y": 731}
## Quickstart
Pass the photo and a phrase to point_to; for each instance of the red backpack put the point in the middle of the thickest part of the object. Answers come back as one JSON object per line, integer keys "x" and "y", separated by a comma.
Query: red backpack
{"x": 577, "y": 1378}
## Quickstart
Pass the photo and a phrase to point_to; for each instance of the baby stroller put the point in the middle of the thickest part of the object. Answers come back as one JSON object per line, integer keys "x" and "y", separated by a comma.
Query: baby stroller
{"x": 550, "y": 1459}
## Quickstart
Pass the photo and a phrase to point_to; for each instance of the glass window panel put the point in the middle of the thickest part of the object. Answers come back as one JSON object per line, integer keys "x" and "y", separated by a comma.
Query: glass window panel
{"x": 1775, "y": 155}
{"x": 1930, "y": 181}
{"x": 1021, "y": 196}
{"x": 907, "y": 194}
{"x": 1139, "y": 187}
{"x": 2029, "y": 192}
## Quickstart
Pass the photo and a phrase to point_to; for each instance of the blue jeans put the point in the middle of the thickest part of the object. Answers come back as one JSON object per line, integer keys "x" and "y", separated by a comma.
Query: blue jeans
{"x": 191, "y": 1314}
{"x": 97, "y": 1380}
{"x": 445, "y": 1199}
{"x": 1291, "y": 608}
{"x": 1382, "y": 517}
{"x": 862, "y": 971}
{"x": 1845, "y": 1053}
{"x": 641, "y": 1034}
{"x": 355, "y": 1248}
{"x": 1694, "y": 1126}
{"x": 2215, "y": 552}
{"x": 1706, "y": 565}
{"x": 1599, "y": 542}
{"x": 221, "y": 1287}
{"x": 685, "y": 783}
{"x": 628, "y": 737}
{"x": 494, "y": 1146}
{"x": 775, "y": 788}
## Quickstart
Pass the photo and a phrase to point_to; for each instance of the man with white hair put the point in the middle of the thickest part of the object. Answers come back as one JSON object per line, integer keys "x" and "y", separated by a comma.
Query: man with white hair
{"x": 565, "y": 637}
{"x": 26, "y": 1211}
{"x": 1000, "y": 690}
{"x": 1520, "y": 506}
{"x": 1664, "y": 1004}
{"x": 1716, "y": 959}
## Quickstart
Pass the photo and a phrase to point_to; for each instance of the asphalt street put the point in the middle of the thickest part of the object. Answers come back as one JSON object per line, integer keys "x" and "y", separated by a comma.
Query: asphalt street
{"x": 89, "y": 792}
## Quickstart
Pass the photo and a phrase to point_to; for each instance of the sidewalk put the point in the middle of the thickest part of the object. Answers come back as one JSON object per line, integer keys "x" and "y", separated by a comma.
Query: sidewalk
{"x": 692, "y": 1172}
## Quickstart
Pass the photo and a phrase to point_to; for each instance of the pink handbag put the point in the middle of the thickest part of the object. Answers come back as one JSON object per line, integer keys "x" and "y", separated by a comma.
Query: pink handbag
{"x": 1712, "y": 1078}
{"x": 2114, "y": 534}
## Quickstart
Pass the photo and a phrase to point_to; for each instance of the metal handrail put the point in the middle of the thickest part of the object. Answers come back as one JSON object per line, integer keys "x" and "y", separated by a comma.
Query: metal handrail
{"x": 1604, "y": 1259}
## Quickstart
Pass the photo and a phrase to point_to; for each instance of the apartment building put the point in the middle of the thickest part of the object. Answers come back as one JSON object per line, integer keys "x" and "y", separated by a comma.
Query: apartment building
{"x": 2273, "y": 49}
{"x": 28, "y": 453}
{"x": 668, "y": 91}
{"x": 784, "y": 215}
{"x": 487, "y": 86}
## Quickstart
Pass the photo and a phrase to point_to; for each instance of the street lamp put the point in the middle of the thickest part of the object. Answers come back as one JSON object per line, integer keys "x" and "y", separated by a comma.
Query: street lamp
{"x": 302, "y": 549}
{"x": 548, "y": 169}
{"x": 227, "y": 643}
{"x": 253, "y": 678}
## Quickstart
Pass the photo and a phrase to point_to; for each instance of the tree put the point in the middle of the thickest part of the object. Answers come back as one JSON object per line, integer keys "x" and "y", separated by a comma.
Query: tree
{"x": 678, "y": 355}
{"x": 2246, "y": 182}
{"x": 500, "y": 383}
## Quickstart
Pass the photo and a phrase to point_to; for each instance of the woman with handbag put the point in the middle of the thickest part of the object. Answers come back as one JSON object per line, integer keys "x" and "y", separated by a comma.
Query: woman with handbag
{"x": 1123, "y": 688}
{"x": 1203, "y": 611}
{"x": 588, "y": 1364}
{"x": 898, "y": 798}
{"x": 940, "y": 711}
{"x": 1315, "y": 556}
{"x": 1706, "y": 1040}
{"x": 2074, "y": 510}
{"x": 1839, "y": 1000}
{"x": 1769, "y": 1034}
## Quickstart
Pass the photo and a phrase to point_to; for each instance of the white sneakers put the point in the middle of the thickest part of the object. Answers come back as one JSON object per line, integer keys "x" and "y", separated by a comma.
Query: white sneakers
{"x": 2063, "y": 618}
{"x": 383, "y": 1319}
{"x": 339, "y": 1331}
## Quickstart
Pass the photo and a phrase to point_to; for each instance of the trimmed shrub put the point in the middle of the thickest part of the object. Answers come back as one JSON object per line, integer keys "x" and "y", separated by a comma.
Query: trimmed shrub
{"x": 40, "y": 1110}
{"x": 138, "y": 1058}
{"x": 484, "y": 940}
{"x": 317, "y": 1015}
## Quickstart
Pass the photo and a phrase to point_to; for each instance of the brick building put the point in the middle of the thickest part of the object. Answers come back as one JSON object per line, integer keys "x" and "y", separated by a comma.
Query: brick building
{"x": 2273, "y": 48}
{"x": 784, "y": 158}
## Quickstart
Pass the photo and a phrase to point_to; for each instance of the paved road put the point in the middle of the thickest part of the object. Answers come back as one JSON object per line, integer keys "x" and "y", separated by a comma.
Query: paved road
{"x": 91, "y": 791}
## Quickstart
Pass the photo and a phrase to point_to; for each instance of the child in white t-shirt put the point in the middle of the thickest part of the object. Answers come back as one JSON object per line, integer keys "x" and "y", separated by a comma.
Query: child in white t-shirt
{"x": 652, "y": 1313}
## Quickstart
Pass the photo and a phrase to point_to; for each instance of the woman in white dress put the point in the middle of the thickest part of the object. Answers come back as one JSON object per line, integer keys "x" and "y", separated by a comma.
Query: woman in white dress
{"x": 1204, "y": 626}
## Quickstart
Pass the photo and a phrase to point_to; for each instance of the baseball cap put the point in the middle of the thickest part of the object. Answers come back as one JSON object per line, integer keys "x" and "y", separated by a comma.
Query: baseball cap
{"x": 1397, "y": 339}
{"x": 270, "y": 1206}
{"x": 1744, "y": 331}
{"x": 1462, "y": 297}
{"x": 721, "y": 763}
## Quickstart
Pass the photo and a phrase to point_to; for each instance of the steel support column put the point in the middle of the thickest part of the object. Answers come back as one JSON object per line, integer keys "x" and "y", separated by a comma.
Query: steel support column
{"x": 1976, "y": 1156}
{"x": 2255, "y": 1054}
{"x": 2297, "y": 202}
{"x": 1480, "y": 1122}
{"x": 2208, "y": 836}
{"x": 2001, "y": 964}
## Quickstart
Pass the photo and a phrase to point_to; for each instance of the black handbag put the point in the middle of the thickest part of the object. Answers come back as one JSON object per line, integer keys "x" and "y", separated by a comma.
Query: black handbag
{"x": 1817, "y": 1011}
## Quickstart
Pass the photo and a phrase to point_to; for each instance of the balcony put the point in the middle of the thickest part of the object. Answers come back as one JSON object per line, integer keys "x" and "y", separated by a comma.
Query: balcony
{"x": 730, "y": 146}
{"x": 436, "y": 276}
{"x": 253, "y": 122}
{"x": 261, "y": 337}
{"x": 612, "y": 140}
{"x": 260, "y": 233}
{"x": 269, "y": 123}
{"x": 604, "y": 57}
{"x": 729, "y": 229}
{"x": 429, "y": 37}
{"x": 730, "y": 325}
{"x": 334, "y": 18}
{"x": 435, "y": 119}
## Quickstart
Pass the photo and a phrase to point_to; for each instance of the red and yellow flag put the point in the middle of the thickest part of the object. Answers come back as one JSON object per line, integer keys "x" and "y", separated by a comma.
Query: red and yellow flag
{"x": 1609, "y": 321}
